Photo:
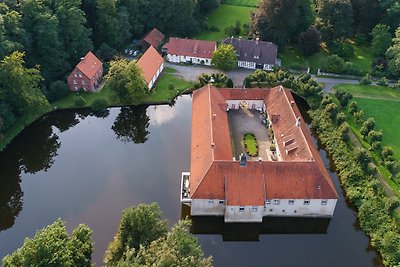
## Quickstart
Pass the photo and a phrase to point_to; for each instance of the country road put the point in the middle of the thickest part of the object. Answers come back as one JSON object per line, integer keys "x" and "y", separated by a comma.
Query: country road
{"x": 192, "y": 72}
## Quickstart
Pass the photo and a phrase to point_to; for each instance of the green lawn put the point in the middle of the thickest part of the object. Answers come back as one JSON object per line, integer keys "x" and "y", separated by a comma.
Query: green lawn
{"x": 292, "y": 56}
{"x": 249, "y": 3}
{"x": 223, "y": 17}
{"x": 387, "y": 117}
{"x": 383, "y": 104}
{"x": 250, "y": 144}
{"x": 370, "y": 91}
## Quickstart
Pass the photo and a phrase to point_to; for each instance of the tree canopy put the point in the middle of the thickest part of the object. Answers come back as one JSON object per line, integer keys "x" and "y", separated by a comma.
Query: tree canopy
{"x": 393, "y": 55}
{"x": 126, "y": 80}
{"x": 224, "y": 57}
{"x": 52, "y": 246}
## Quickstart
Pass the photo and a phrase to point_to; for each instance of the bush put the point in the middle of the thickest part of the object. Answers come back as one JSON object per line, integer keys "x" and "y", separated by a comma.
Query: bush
{"x": 309, "y": 41}
{"x": 383, "y": 82}
{"x": 353, "y": 108}
{"x": 352, "y": 69}
{"x": 343, "y": 50}
{"x": 335, "y": 64}
{"x": 99, "y": 104}
{"x": 387, "y": 153}
{"x": 340, "y": 118}
{"x": 296, "y": 66}
{"x": 79, "y": 101}
{"x": 366, "y": 80}
{"x": 171, "y": 87}
{"x": 57, "y": 90}
{"x": 343, "y": 97}
{"x": 229, "y": 83}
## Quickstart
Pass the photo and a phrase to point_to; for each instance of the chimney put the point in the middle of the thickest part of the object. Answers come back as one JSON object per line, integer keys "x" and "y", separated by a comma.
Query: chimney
{"x": 280, "y": 88}
{"x": 214, "y": 116}
{"x": 257, "y": 39}
{"x": 83, "y": 59}
{"x": 212, "y": 145}
{"x": 298, "y": 121}
{"x": 292, "y": 102}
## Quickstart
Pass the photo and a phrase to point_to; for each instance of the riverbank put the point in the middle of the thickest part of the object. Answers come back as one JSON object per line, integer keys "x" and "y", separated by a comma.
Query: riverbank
{"x": 163, "y": 93}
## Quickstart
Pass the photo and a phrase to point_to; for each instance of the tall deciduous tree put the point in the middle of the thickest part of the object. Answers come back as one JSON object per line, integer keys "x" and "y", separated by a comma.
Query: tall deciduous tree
{"x": 276, "y": 20}
{"x": 19, "y": 86}
{"x": 381, "y": 39}
{"x": 366, "y": 13}
{"x": 126, "y": 80}
{"x": 75, "y": 36}
{"x": 335, "y": 18}
{"x": 178, "y": 248}
{"x": 10, "y": 30}
{"x": 393, "y": 55}
{"x": 43, "y": 43}
{"x": 139, "y": 225}
{"x": 107, "y": 28}
{"x": 224, "y": 57}
{"x": 309, "y": 41}
{"x": 391, "y": 15}
{"x": 52, "y": 246}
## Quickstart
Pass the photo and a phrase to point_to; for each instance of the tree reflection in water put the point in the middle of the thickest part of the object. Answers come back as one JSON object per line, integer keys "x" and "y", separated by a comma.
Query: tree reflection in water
{"x": 32, "y": 151}
{"x": 131, "y": 125}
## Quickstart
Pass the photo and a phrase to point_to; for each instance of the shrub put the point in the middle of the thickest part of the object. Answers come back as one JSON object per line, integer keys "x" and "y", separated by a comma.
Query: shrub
{"x": 171, "y": 87}
{"x": 309, "y": 41}
{"x": 229, "y": 83}
{"x": 79, "y": 101}
{"x": 375, "y": 136}
{"x": 367, "y": 127}
{"x": 332, "y": 109}
{"x": 383, "y": 82}
{"x": 334, "y": 64}
{"x": 326, "y": 100}
{"x": 387, "y": 153}
{"x": 57, "y": 90}
{"x": 343, "y": 50}
{"x": 247, "y": 83}
{"x": 340, "y": 118}
{"x": 366, "y": 80}
{"x": 99, "y": 104}
{"x": 353, "y": 108}
{"x": 352, "y": 69}
{"x": 358, "y": 116}
{"x": 343, "y": 97}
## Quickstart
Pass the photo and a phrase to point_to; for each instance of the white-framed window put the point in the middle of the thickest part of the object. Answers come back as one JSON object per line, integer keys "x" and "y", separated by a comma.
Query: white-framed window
{"x": 291, "y": 202}
{"x": 306, "y": 202}
{"x": 254, "y": 209}
{"x": 268, "y": 202}
{"x": 75, "y": 82}
{"x": 276, "y": 201}
{"x": 210, "y": 201}
{"x": 324, "y": 202}
{"x": 83, "y": 82}
{"x": 241, "y": 209}
{"x": 75, "y": 75}
{"x": 80, "y": 75}
{"x": 221, "y": 201}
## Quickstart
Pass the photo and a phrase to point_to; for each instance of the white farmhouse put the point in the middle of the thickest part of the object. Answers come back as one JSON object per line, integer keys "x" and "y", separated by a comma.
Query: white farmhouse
{"x": 287, "y": 178}
{"x": 152, "y": 64}
{"x": 254, "y": 54}
{"x": 189, "y": 51}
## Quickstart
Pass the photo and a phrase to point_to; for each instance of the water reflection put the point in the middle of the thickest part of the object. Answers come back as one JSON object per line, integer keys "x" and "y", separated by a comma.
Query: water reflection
{"x": 215, "y": 225}
{"x": 131, "y": 125}
{"x": 10, "y": 192}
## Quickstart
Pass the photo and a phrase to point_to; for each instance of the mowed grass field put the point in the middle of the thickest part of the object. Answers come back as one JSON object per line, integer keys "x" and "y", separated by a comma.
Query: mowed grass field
{"x": 382, "y": 104}
{"x": 292, "y": 56}
{"x": 250, "y": 3}
{"x": 223, "y": 17}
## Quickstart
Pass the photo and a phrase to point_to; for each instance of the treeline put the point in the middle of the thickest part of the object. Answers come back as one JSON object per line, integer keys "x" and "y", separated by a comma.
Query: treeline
{"x": 42, "y": 40}
{"x": 308, "y": 23}
{"x": 142, "y": 239}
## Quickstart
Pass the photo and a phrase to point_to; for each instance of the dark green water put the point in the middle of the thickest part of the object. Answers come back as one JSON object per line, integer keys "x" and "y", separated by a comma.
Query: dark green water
{"x": 86, "y": 168}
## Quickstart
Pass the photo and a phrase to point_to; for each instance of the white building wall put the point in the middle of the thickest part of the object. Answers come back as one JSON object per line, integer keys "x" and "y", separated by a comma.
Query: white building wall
{"x": 253, "y": 104}
{"x": 247, "y": 64}
{"x": 268, "y": 67}
{"x": 244, "y": 213}
{"x": 187, "y": 59}
{"x": 204, "y": 207}
{"x": 298, "y": 207}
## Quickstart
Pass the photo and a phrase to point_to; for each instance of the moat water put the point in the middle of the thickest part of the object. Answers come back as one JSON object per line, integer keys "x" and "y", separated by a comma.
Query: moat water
{"x": 86, "y": 168}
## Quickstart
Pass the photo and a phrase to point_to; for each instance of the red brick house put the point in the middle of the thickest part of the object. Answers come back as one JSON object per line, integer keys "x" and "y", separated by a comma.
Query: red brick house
{"x": 87, "y": 74}
{"x": 152, "y": 38}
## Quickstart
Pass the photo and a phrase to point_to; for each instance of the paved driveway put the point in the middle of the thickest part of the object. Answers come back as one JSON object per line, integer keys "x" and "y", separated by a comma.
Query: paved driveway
{"x": 192, "y": 72}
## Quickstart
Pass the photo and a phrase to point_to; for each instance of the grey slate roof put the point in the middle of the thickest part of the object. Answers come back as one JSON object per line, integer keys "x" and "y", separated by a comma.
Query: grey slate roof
{"x": 260, "y": 52}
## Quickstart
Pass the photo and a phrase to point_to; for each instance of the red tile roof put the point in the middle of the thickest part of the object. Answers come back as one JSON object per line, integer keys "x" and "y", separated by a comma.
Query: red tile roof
{"x": 153, "y": 37}
{"x": 150, "y": 62}
{"x": 190, "y": 47}
{"x": 214, "y": 175}
{"x": 89, "y": 65}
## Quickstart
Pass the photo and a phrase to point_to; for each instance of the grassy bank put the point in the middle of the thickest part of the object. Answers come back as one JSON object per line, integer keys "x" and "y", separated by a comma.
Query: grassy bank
{"x": 223, "y": 17}
{"x": 382, "y": 104}
{"x": 249, "y": 3}
{"x": 162, "y": 93}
